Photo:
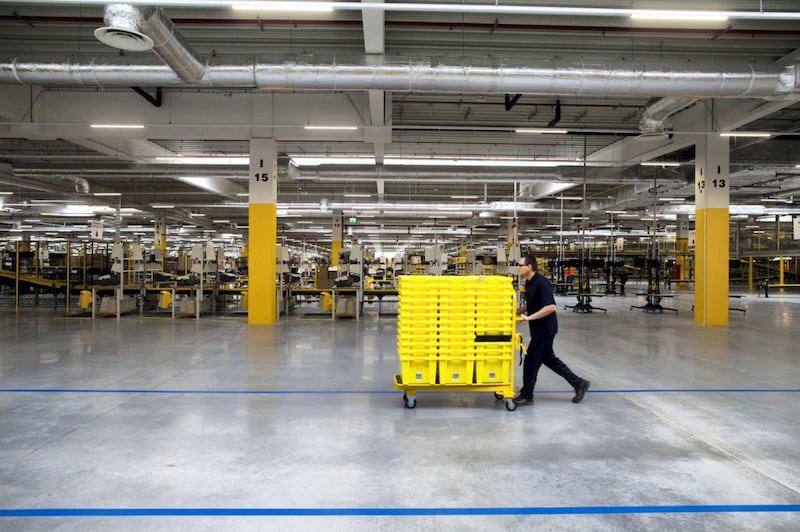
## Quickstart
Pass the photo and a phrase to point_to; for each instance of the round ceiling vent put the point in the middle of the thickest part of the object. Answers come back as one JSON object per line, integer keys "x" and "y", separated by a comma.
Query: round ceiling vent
{"x": 124, "y": 39}
{"x": 652, "y": 135}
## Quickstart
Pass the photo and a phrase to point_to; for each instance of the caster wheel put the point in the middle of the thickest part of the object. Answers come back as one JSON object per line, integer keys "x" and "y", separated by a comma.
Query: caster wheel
{"x": 511, "y": 405}
{"x": 498, "y": 396}
{"x": 410, "y": 402}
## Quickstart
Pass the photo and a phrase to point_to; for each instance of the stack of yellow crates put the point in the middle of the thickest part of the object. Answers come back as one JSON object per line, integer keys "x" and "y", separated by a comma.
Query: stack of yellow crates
{"x": 455, "y": 331}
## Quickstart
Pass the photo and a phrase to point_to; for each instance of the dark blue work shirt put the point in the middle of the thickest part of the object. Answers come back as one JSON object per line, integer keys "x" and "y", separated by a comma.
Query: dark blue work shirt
{"x": 538, "y": 294}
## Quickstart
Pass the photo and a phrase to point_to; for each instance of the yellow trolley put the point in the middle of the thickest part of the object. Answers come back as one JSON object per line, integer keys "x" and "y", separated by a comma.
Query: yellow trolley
{"x": 456, "y": 334}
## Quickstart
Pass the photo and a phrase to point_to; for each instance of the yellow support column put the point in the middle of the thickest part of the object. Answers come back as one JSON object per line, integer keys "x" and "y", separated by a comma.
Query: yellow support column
{"x": 262, "y": 233}
{"x": 336, "y": 240}
{"x": 682, "y": 247}
{"x": 711, "y": 230}
{"x": 160, "y": 238}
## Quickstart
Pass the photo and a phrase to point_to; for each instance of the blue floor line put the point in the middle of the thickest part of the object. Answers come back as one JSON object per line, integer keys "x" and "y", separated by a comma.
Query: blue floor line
{"x": 390, "y": 512}
{"x": 371, "y": 392}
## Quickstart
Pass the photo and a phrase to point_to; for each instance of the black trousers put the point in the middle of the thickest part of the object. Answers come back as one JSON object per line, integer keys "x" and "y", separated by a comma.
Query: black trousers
{"x": 540, "y": 352}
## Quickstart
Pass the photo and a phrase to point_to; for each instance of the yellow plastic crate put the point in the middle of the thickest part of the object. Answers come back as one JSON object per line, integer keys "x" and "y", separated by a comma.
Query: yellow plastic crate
{"x": 411, "y": 332}
{"x": 418, "y": 329}
{"x": 417, "y": 349}
{"x": 418, "y": 370}
{"x": 456, "y": 370}
{"x": 493, "y": 370}
{"x": 456, "y": 335}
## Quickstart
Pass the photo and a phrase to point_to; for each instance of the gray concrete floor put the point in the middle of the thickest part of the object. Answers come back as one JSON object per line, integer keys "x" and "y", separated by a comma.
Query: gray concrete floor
{"x": 154, "y": 424}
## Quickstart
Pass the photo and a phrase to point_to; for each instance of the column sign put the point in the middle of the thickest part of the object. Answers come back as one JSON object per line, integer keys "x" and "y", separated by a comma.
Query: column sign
{"x": 711, "y": 186}
{"x": 337, "y": 226}
{"x": 682, "y": 230}
{"x": 96, "y": 229}
{"x": 263, "y": 170}
{"x": 711, "y": 190}
{"x": 796, "y": 222}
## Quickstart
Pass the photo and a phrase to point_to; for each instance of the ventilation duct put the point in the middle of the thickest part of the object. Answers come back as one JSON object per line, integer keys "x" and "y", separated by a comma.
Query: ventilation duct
{"x": 131, "y": 28}
{"x": 654, "y": 118}
{"x": 122, "y": 29}
{"x": 707, "y": 80}
{"x": 571, "y": 175}
{"x": 81, "y": 185}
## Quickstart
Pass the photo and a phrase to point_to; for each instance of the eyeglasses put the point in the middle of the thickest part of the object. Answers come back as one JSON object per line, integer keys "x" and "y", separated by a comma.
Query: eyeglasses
{"x": 520, "y": 264}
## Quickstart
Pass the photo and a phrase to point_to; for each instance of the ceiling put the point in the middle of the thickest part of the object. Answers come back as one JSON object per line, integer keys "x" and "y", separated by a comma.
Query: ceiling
{"x": 436, "y": 97}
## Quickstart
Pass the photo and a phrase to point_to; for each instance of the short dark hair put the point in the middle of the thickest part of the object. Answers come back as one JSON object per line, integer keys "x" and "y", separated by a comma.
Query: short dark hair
{"x": 530, "y": 259}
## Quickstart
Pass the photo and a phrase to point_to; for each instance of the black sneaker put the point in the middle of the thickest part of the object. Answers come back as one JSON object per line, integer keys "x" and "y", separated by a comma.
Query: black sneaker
{"x": 580, "y": 391}
{"x": 522, "y": 401}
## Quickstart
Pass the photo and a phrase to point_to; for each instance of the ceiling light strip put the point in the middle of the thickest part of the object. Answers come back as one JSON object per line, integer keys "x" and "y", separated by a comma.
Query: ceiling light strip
{"x": 489, "y": 8}
{"x": 760, "y": 134}
{"x": 117, "y": 126}
{"x": 331, "y": 128}
{"x": 665, "y": 14}
{"x": 541, "y": 131}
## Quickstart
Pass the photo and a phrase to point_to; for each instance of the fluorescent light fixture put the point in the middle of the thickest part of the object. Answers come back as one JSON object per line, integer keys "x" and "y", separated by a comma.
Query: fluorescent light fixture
{"x": 331, "y": 128}
{"x": 220, "y": 221}
{"x": 661, "y": 164}
{"x": 117, "y": 126}
{"x": 687, "y": 16}
{"x": 106, "y": 194}
{"x": 5, "y": 193}
{"x": 672, "y": 199}
{"x": 505, "y": 163}
{"x": 211, "y": 160}
{"x": 488, "y": 7}
{"x": 773, "y": 200}
{"x": 495, "y": 8}
{"x": 161, "y": 206}
{"x": 463, "y": 197}
{"x": 762, "y": 134}
{"x": 315, "y": 7}
{"x": 356, "y": 195}
{"x": 196, "y": 215}
{"x": 242, "y": 194}
{"x": 541, "y": 131}
{"x": 317, "y": 161}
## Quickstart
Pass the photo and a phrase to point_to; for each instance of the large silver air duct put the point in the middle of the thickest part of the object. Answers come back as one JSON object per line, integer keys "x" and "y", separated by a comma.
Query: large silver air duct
{"x": 545, "y": 77}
